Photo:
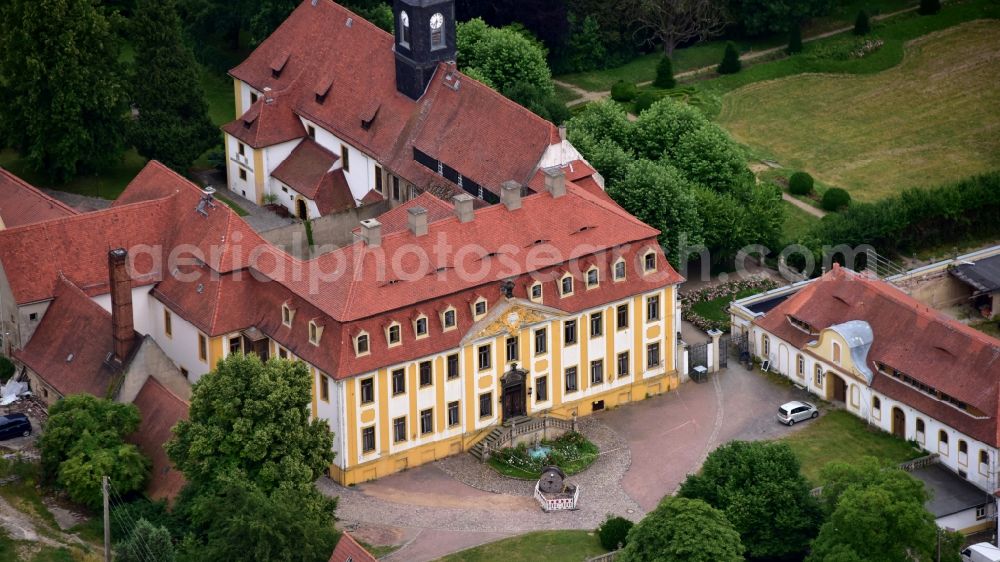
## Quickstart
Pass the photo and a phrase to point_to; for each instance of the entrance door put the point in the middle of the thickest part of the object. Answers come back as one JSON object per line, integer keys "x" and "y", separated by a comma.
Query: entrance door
{"x": 898, "y": 423}
{"x": 839, "y": 389}
{"x": 300, "y": 209}
{"x": 513, "y": 399}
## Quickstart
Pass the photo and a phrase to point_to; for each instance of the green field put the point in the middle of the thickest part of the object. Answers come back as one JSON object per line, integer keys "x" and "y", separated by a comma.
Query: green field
{"x": 797, "y": 223}
{"x": 840, "y": 436}
{"x": 928, "y": 121}
{"x": 551, "y": 546}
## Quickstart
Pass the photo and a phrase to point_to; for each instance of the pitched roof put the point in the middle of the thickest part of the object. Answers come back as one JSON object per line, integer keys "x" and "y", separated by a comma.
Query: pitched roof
{"x": 982, "y": 275}
{"x": 160, "y": 410}
{"x": 21, "y": 203}
{"x": 71, "y": 342}
{"x": 305, "y": 167}
{"x": 472, "y": 128}
{"x": 397, "y": 219}
{"x": 268, "y": 121}
{"x": 348, "y": 550}
{"x": 333, "y": 195}
{"x": 909, "y": 337}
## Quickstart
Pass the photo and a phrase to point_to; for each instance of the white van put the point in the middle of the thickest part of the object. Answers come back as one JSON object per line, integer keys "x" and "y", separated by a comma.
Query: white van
{"x": 981, "y": 552}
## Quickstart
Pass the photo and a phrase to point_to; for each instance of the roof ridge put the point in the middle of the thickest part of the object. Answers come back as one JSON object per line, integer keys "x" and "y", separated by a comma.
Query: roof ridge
{"x": 37, "y": 191}
{"x": 85, "y": 216}
{"x": 504, "y": 99}
{"x": 65, "y": 284}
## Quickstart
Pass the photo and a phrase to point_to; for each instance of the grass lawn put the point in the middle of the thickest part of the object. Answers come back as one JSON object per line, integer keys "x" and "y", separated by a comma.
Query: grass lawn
{"x": 989, "y": 327}
{"x": 797, "y": 223}
{"x": 841, "y": 436}
{"x": 716, "y": 309}
{"x": 552, "y": 546}
{"x": 928, "y": 121}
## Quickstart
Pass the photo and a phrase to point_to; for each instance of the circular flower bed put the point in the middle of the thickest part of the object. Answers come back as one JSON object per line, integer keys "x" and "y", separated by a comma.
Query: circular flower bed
{"x": 717, "y": 298}
{"x": 572, "y": 452}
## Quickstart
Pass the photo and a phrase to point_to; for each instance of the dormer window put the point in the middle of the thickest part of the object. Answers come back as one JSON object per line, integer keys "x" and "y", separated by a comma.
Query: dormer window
{"x": 420, "y": 326}
{"x": 649, "y": 261}
{"x": 394, "y": 334}
{"x": 536, "y": 291}
{"x": 479, "y": 308}
{"x": 449, "y": 319}
{"x": 404, "y": 29}
{"x": 361, "y": 344}
{"x": 593, "y": 277}
{"x": 315, "y": 332}
{"x": 287, "y": 313}
{"x": 566, "y": 285}
{"x": 804, "y": 326}
{"x": 620, "y": 269}
{"x": 437, "y": 31}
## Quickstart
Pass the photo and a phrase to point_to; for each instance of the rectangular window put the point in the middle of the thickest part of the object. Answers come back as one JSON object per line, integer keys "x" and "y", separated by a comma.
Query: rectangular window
{"x": 597, "y": 371}
{"x": 541, "y": 389}
{"x": 243, "y": 174}
{"x": 453, "y": 366}
{"x": 596, "y": 325}
{"x": 622, "y": 316}
{"x": 311, "y": 131}
{"x": 282, "y": 352}
{"x": 235, "y": 345}
{"x": 395, "y": 188}
{"x": 541, "y": 341}
{"x": 394, "y": 334}
{"x": 324, "y": 387}
{"x": 242, "y": 148}
{"x": 653, "y": 308}
{"x": 399, "y": 429}
{"x": 367, "y": 390}
{"x": 368, "y": 439}
{"x": 398, "y": 381}
{"x": 345, "y": 157}
{"x": 421, "y": 326}
{"x": 512, "y": 349}
{"x": 453, "y": 418}
{"x": 449, "y": 319}
{"x": 623, "y": 364}
{"x": 653, "y": 355}
{"x": 570, "y": 376}
{"x": 253, "y": 98}
{"x": 168, "y": 324}
{"x": 427, "y": 421}
{"x": 619, "y": 270}
{"x": 485, "y": 357}
{"x": 569, "y": 332}
{"x": 202, "y": 347}
{"x": 378, "y": 178}
{"x": 426, "y": 376}
{"x": 486, "y": 405}
{"x": 650, "y": 261}
{"x": 362, "y": 344}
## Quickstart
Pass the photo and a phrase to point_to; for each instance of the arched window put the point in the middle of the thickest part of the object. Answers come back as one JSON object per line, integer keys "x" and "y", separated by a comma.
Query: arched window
{"x": 984, "y": 462}
{"x": 876, "y": 403}
{"x": 920, "y": 431}
{"x": 800, "y": 369}
{"x": 765, "y": 346}
{"x": 963, "y": 452}
{"x": 836, "y": 353}
{"x": 942, "y": 442}
{"x": 404, "y": 29}
{"x": 437, "y": 31}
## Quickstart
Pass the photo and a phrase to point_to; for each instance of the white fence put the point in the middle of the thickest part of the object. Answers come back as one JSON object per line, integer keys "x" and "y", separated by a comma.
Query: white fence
{"x": 557, "y": 504}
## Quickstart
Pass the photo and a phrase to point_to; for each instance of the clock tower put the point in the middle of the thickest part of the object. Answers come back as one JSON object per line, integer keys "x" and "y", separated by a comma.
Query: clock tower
{"x": 425, "y": 36}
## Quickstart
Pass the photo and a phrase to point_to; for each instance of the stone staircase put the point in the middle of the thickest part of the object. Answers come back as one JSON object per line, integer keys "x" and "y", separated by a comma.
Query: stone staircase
{"x": 503, "y": 435}
{"x": 492, "y": 439}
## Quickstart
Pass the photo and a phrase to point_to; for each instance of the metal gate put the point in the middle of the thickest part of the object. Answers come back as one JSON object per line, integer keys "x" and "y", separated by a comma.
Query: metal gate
{"x": 724, "y": 351}
{"x": 698, "y": 356}
{"x": 741, "y": 346}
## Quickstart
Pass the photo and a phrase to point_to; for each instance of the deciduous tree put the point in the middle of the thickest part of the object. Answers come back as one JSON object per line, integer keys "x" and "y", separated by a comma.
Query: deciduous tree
{"x": 172, "y": 125}
{"x": 502, "y": 55}
{"x": 762, "y": 17}
{"x": 759, "y": 482}
{"x": 146, "y": 542}
{"x": 64, "y": 103}
{"x": 673, "y": 22}
{"x": 683, "y": 530}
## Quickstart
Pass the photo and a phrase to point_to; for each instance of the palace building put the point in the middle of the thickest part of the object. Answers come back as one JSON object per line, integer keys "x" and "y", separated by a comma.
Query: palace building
{"x": 333, "y": 111}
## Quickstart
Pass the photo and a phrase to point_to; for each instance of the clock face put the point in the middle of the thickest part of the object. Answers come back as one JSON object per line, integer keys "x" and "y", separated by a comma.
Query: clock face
{"x": 437, "y": 20}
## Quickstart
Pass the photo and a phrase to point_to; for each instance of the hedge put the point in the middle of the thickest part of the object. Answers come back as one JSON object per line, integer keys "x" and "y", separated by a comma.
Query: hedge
{"x": 623, "y": 91}
{"x": 800, "y": 183}
{"x": 835, "y": 199}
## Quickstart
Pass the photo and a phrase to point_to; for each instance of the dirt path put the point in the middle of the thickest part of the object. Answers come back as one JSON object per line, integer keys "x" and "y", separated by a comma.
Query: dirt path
{"x": 588, "y": 96}
{"x": 818, "y": 213}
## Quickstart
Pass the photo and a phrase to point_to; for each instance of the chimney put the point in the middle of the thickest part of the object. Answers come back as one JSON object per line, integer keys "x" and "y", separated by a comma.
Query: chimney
{"x": 121, "y": 305}
{"x": 371, "y": 233}
{"x": 510, "y": 195}
{"x": 463, "y": 207}
{"x": 555, "y": 181}
{"x": 562, "y": 132}
{"x": 417, "y": 220}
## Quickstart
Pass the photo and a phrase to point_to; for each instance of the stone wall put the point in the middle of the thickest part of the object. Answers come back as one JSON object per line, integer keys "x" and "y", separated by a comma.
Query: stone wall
{"x": 329, "y": 232}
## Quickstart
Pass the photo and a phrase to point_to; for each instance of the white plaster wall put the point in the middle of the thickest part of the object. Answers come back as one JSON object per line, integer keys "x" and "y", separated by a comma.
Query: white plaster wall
{"x": 140, "y": 307}
{"x": 559, "y": 154}
{"x": 961, "y": 520}
{"x": 182, "y": 347}
{"x": 361, "y": 175}
{"x": 247, "y": 188}
{"x": 276, "y": 154}
{"x": 25, "y": 324}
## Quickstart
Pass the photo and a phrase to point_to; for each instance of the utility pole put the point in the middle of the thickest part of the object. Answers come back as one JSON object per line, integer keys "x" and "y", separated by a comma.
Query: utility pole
{"x": 107, "y": 520}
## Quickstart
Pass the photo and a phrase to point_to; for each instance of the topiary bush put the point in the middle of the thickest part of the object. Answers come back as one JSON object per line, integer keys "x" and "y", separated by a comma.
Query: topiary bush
{"x": 730, "y": 60}
{"x": 862, "y": 26}
{"x": 665, "y": 74}
{"x": 613, "y": 532}
{"x": 929, "y": 7}
{"x": 623, "y": 91}
{"x": 800, "y": 183}
{"x": 794, "y": 39}
{"x": 646, "y": 99}
{"x": 835, "y": 199}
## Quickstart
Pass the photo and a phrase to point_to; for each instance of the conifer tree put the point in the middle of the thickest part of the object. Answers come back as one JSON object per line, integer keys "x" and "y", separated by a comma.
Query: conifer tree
{"x": 730, "y": 60}
{"x": 794, "y": 39}
{"x": 172, "y": 124}
{"x": 861, "y": 24}
{"x": 929, "y": 7}
{"x": 64, "y": 101}
{"x": 665, "y": 74}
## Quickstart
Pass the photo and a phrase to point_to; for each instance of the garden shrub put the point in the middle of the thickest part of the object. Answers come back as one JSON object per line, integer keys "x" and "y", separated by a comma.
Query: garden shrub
{"x": 730, "y": 60}
{"x": 665, "y": 74}
{"x": 929, "y": 7}
{"x": 862, "y": 26}
{"x": 623, "y": 91}
{"x": 572, "y": 452}
{"x": 835, "y": 199}
{"x": 794, "y": 39}
{"x": 613, "y": 532}
{"x": 646, "y": 99}
{"x": 6, "y": 369}
{"x": 800, "y": 183}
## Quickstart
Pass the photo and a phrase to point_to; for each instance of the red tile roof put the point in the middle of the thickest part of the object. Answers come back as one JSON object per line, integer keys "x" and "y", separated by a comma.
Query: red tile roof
{"x": 333, "y": 194}
{"x": 909, "y": 337}
{"x": 372, "y": 197}
{"x": 348, "y": 550}
{"x": 473, "y": 129}
{"x": 160, "y": 410}
{"x": 305, "y": 168}
{"x": 397, "y": 219}
{"x": 268, "y": 122}
{"x": 71, "y": 342}
{"x": 21, "y": 203}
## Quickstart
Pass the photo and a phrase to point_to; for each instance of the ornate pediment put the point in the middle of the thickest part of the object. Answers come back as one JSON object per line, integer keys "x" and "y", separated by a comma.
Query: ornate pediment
{"x": 508, "y": 317}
